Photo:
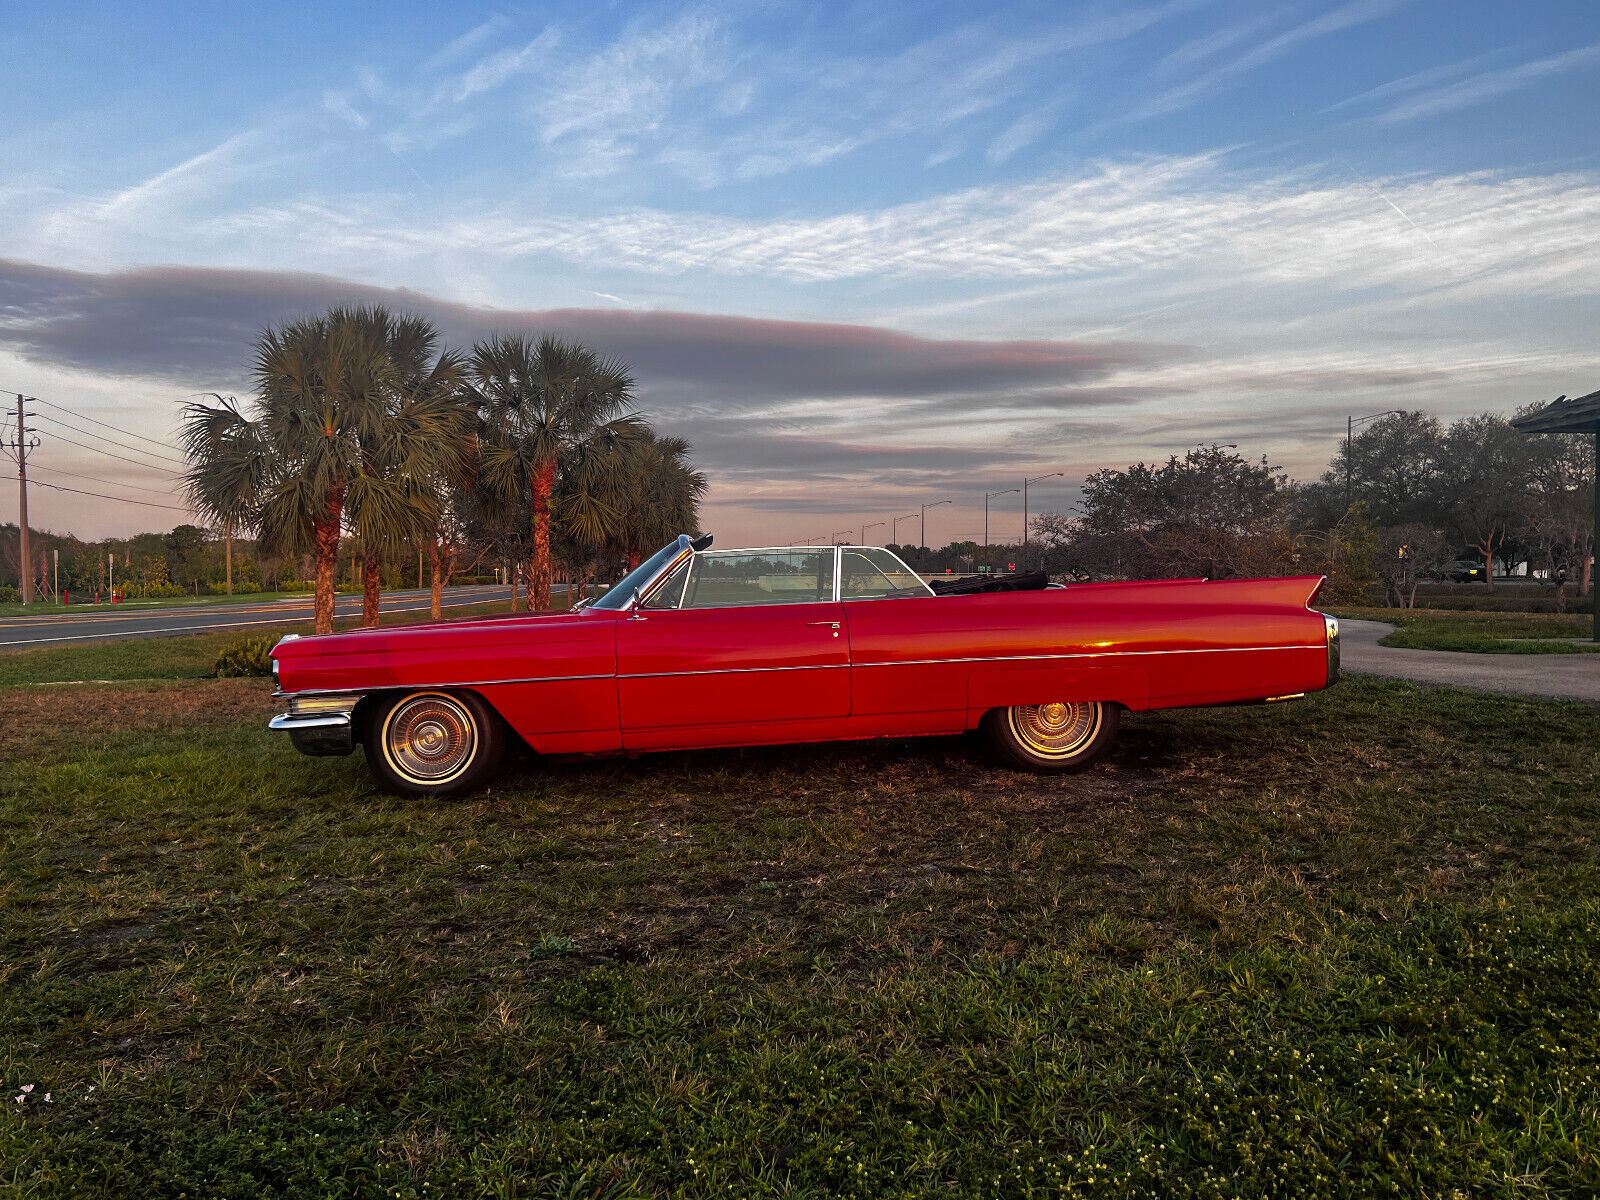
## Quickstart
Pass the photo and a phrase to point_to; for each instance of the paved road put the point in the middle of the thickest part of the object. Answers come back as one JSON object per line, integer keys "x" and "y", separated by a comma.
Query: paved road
{"x": 114, "y": 623}
{"x": 1562, "y": 676}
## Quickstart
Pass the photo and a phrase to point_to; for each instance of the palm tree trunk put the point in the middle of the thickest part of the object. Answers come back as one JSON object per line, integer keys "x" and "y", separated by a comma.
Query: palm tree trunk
{"x": 371, "y": 589}
{"x": 326, "y": 535}
{"x": 436, "y": 601}
{"x": 227, "y": 537}
{"x": 544, "y": 484}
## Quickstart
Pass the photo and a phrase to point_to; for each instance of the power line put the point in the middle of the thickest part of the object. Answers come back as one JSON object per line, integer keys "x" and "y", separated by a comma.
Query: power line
{"x": 101, "y": 495}
{"x": 110, "y": 441}
{"x": 107, "y": 424}
{"x": 136, "y": 462}
{"x": 96, "y": 479}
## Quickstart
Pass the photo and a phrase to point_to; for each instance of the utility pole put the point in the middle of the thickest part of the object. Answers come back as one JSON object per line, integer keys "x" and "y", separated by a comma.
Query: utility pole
{"x": 986, "y": 500}
{"x": 18, "y": 450}
{"x": 925, "y": 509}
{"x": 1025, "y": 483}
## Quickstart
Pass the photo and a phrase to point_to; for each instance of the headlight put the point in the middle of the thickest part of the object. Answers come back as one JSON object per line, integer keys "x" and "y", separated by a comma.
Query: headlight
{"x": 274, "y": 673}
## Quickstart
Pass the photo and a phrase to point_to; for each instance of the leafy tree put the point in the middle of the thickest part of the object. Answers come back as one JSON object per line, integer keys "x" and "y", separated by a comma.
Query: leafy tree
{"x": 1491, "y": 482}
{"x": 1211, "y": 513}
{"x": 538, "y": 399}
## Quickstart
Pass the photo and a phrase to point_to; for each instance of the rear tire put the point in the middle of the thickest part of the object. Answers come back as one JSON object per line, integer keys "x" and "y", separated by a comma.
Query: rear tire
{"x": 433, "y": 743}
{"x": 1053, "y": 738}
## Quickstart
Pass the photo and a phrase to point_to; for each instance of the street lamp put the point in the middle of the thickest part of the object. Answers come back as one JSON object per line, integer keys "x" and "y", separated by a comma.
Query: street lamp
{"x": 864, "y": 528}
{"x": 925, "y": 509}
{"x": 1350, "y": 424}
{"x": 834, "y": 536}
{"x": 894, "y": 531}
{"x": 1025, "y": 483}
{"x": 986, "y": 500}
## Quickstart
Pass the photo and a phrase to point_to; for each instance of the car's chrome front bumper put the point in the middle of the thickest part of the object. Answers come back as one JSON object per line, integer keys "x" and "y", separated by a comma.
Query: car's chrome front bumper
{"x": 319, "y": 725}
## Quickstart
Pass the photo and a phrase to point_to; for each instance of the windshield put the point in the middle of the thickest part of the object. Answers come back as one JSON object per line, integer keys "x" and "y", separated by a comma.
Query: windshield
{"x": 622, "y": 592}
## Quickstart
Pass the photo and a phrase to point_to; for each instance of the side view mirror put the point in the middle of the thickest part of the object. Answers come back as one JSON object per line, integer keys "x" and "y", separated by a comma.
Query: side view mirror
{"x": 636, "y": 604}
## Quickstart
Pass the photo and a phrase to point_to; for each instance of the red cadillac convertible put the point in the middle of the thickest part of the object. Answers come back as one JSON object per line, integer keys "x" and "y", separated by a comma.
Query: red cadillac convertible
{"x": 701, "y": 647}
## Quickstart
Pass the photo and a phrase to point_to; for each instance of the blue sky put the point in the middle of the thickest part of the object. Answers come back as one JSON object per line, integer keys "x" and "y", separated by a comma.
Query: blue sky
{"x": 862, "y": 255}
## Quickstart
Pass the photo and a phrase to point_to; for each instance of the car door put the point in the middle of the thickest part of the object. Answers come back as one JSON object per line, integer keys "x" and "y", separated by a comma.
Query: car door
{"x": 739, "y": 639}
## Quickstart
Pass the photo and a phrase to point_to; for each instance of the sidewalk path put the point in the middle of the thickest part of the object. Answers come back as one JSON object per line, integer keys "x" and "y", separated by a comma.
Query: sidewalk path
{"x": 1562, "y": 676}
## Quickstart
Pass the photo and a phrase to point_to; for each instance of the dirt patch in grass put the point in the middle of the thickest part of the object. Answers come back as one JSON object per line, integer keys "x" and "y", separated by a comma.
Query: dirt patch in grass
{"x": 40, "y": 720}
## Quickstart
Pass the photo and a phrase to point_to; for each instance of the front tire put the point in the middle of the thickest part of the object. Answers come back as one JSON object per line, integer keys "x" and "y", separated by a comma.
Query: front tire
{"x": 433, "y": 743}
{"x": 1051, "y": 738}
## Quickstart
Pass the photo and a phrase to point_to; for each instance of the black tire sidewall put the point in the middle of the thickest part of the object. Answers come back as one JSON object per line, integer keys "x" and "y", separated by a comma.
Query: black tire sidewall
{"x": 488, "y": 735}
{"x": 1015, "y": 754}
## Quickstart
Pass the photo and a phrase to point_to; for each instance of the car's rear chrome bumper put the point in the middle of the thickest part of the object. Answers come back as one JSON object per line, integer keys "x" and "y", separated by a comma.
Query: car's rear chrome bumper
{"x": 323, "y": 726}
{"x": 1331, "y": 626}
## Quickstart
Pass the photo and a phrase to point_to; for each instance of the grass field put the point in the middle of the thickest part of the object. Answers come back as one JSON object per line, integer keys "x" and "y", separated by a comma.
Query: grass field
{"x": 1481, "y": 633}
{"x": 1345, "y": 947}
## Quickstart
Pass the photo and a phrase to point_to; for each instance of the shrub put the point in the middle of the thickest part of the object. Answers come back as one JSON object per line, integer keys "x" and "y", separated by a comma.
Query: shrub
{"x": 9, "y": 594}
{"x": 246, "y": 656}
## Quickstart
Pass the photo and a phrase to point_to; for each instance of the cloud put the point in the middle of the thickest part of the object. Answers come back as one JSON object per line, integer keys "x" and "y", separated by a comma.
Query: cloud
{"x": 1487, "y": 85}
{"x": 196, "y": 324}
{"x": 1345, "y": 16}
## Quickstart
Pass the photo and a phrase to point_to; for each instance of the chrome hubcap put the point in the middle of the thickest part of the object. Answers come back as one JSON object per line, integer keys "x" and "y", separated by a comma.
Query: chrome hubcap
{"x": 1056, "y": 730}
{"x": 430, "y": 739}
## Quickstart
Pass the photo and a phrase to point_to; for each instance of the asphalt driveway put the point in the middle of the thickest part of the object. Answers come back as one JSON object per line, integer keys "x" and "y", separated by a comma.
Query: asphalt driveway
{"x": 1559, "y": 676}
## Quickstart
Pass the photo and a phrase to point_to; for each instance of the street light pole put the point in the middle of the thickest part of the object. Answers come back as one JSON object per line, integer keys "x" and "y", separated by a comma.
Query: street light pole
{"x": 1025, "y": 483}
{"x": 1350, "y": 424}
{"x": 986, "y": 500}
{"x": 894, "y": 530}
{"x": 834, "y": 536}
{"x": 925, "y": 509}
{"x": 864, "y": 528}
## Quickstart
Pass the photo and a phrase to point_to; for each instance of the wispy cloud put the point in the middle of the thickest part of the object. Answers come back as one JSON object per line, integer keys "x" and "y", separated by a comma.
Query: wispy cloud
{"x": 1214, "y": 79}
{"x": 1487, "y": 85}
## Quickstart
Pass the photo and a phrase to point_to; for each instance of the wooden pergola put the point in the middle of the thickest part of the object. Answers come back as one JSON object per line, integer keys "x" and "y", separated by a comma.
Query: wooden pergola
{"x": 1575, "y": 416}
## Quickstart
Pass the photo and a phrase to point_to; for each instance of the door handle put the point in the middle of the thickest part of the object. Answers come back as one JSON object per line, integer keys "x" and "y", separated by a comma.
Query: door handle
{"x": 833, "y": 625}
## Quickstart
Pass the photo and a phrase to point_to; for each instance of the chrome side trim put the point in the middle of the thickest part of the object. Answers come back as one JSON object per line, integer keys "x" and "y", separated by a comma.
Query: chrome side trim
{"x": 989, "y": 658}
{"x": 1330, "y": 626}
{"x": 917, "y": 662}
{"x": 736, "y": 671}
{"x": 466, "y": 683}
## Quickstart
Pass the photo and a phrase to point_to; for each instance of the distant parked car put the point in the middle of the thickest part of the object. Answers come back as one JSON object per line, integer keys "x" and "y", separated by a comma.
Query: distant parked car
{"x": 1463, "y": 570}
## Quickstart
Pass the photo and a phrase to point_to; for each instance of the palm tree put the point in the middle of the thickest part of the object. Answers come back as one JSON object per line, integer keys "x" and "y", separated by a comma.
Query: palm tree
{"x": 227, "y": 467}
{"x": 538, "y": 400}
{"x": 424, "y": 439}
{"x": 343, "y": 426}
{"x": 666, "y": 495}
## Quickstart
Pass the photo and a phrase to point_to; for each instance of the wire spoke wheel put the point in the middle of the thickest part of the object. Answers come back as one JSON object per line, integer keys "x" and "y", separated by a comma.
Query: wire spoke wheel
{"x": 430, "y": 738}
{"x": 1055, "y": 730}
{"x": 1062, "y": 736}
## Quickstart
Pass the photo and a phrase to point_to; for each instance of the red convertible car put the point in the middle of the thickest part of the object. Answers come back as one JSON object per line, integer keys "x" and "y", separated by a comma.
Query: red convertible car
{"x": 701, "y": 647}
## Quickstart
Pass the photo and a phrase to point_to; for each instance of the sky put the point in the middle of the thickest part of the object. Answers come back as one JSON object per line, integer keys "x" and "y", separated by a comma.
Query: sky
{"x": 864, "y": 256}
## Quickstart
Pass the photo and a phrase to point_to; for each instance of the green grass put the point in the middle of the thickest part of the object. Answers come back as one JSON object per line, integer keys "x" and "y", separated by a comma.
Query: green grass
{"x": 1346, "y": 947}
{"x": 1481, "y": 633}
{"x": 181, "y": 656}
